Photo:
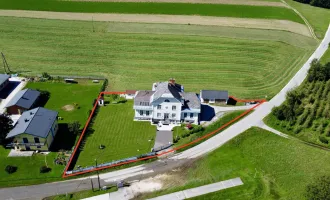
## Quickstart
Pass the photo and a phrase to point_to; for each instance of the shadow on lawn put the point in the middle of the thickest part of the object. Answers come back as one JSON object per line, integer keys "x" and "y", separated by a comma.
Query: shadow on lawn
{"x": 64, "y": 139}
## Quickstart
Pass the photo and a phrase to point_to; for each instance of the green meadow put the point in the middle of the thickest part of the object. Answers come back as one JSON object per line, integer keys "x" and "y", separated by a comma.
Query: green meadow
{"x": 219, "y": 10}
{"x": 246, "y": 62}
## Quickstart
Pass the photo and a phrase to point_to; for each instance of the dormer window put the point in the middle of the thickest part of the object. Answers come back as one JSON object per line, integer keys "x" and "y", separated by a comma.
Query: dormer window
{"x": 167, "y": 100}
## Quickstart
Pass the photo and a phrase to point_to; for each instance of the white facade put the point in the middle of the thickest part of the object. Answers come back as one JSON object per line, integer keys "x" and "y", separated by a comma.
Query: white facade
{"x": 166, "y": 104}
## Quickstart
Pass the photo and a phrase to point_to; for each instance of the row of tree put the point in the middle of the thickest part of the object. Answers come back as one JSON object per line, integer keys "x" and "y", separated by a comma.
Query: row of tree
{"x": 318, "y": 3}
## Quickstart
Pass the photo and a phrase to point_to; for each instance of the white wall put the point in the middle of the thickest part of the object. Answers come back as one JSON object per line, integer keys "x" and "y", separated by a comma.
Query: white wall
{"x": 166, "y": 107}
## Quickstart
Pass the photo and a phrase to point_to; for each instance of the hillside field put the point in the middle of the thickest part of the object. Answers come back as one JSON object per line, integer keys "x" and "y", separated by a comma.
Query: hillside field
{"x": 271, "y": 167}
{"x": 220, "y": 10}
{"x": 246, "y": 62}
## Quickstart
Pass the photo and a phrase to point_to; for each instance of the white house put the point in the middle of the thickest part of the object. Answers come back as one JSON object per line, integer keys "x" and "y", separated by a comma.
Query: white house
{"x": 167, "y": 103}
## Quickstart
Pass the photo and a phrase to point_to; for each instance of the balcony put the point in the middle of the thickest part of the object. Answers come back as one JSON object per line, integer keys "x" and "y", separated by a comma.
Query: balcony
{"x": 142, "y": 107}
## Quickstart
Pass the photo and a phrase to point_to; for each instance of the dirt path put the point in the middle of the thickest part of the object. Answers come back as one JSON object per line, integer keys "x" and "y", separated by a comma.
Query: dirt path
{"x": 167, "y": 19}
{"x": 233, "y": 2}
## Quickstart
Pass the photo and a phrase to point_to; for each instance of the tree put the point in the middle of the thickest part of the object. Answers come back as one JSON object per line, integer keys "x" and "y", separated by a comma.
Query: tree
{"x": 74, "y": 127}
{"x": 46, "y": 76}
{"x": 319, "y": 189}
{"x": 5, "y": 127}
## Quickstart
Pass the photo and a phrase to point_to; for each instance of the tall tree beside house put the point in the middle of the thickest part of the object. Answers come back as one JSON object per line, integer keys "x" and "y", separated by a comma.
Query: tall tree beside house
{"x": 5, "y": 127}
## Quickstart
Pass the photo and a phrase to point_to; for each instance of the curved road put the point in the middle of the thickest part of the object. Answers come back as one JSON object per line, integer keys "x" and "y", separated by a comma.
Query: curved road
{"x": 138, "y": 172}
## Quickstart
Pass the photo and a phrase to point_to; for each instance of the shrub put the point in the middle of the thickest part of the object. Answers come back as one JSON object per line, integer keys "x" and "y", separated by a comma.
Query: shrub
{"x": 319, "y": 189}
{"x": 323, "y": 139}
{"x": 10, "y": 169}
{"x": 45, "y": 169}
{"x": 297, "y": 129}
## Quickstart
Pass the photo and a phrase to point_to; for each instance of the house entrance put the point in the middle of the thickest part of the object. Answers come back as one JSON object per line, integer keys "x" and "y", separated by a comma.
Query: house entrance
{"x": 166, "y": 115}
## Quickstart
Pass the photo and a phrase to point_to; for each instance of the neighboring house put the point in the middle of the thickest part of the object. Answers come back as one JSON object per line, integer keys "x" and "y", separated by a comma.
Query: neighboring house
{"x": 167, "y": 103}
{"x": 22, "y": 101}
{"x": 4, "y": 80}
{"x": 130, "y": 94}
{"x": 34, "y": 130}
{"x": 214, "y": 96}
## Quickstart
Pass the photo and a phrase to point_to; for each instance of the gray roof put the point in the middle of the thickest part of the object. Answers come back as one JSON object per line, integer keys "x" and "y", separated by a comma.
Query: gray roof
{"x": 191, "y": 101}
{"x": 143, "y": 97}
{"x": 3, "y": 78}
{"x": 24, "y": 98}
{"x": 168, "y": 88}
{"x": 35, "y": 122}
{"x": 214, "y": 94}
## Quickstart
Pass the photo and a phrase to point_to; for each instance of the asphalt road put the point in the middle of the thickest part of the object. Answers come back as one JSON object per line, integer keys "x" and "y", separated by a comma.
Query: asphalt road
{"x": 160, "y": 166}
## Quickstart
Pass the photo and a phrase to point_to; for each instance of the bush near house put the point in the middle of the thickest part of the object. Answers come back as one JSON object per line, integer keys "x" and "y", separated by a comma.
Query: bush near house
{"x": 10, "y": 169}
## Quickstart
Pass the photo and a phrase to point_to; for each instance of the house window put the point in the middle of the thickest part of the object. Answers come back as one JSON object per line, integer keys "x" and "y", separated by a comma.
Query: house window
{"x": 173, "y": 107}
{"x": 36, "y": 140}
{"x": 147, "y": 113}
{"x": 141, "y": 112}
{"x": 159, "y": 107}
{"x": 167, "y": 100}
{"x": 191, "y": 115}
{"x": 159, "y": 114}
{"x": 38, "y": 147}
{"x": 25, "y": 140}
{"x": 173, "y": 115}
{"x": 184, "y": 115}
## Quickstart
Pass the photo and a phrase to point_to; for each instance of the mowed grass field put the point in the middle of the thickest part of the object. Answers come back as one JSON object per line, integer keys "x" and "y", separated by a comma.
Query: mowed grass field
{"x": 220, "y": 10}
{"x": 114, "y": 127}
{"x": 247, "y": 63}
{"x": 271, "y": 167}
{"x": 319, "y": 18}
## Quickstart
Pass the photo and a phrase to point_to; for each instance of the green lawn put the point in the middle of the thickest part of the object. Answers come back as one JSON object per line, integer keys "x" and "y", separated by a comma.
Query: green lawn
{"x": 114, "y": 127}
{"x": 270, "y": 167}
{"x": 220, "y": 10}
{"x": 28, "y": 169}
{"x": 319, "y": 18}
{"x": 250, "y": 63}
{"x": 62, "y": 94}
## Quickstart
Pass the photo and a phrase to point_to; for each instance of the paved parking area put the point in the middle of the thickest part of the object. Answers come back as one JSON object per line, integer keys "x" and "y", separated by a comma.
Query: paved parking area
{"x": 163, "y": 138}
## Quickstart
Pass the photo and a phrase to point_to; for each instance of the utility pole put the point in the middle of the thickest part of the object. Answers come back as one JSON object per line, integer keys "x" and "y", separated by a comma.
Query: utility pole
{"x": 5, "y": 64}
{"x": 92, "y": 184}
{"x": 98, "y": 176}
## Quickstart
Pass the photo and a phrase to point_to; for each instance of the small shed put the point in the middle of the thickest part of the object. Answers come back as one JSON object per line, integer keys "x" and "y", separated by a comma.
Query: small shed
{"x": 214, "y": 96}
{"x": 130, "y": 94}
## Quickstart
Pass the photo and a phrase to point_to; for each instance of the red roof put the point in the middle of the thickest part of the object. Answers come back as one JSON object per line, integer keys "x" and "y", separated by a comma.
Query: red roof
{"x": 130, "y": 91}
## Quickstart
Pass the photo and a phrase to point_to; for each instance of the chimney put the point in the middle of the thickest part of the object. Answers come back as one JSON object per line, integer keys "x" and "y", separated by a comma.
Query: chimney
{"x": 172, "y": 81}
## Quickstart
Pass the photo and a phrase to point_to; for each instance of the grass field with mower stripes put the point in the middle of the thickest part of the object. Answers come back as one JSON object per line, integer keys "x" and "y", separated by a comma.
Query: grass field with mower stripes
{"x": 247, "y": 65}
